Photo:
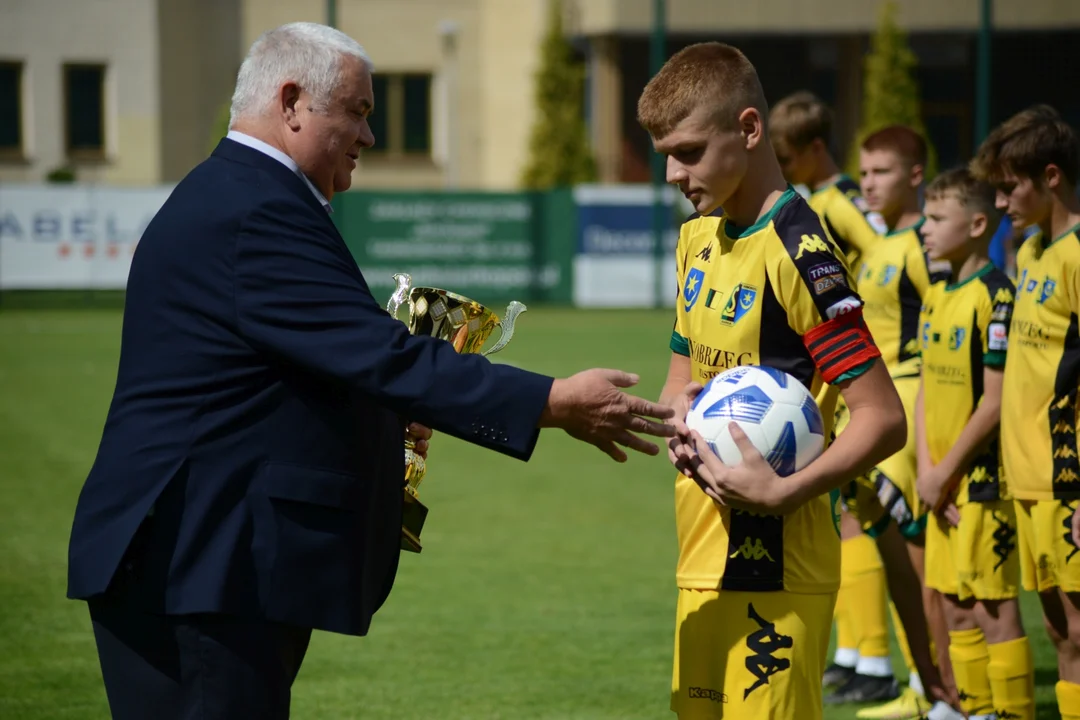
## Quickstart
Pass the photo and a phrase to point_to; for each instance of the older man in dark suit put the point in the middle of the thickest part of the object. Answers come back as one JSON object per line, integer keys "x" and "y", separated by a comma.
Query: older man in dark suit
{"x": 248, "y": 486}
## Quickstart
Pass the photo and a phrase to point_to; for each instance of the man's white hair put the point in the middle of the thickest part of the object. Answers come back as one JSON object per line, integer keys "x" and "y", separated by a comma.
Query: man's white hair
{"x": 308, "y": 54}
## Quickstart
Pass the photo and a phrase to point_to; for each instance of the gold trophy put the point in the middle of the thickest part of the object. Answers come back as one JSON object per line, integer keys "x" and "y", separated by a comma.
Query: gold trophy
{"x": 465, "y": 324}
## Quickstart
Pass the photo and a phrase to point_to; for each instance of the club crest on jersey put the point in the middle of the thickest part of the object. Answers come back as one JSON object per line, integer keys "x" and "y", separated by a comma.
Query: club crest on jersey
{"x": 1048, "y": 288}
{"x": 692, "y": 287}
{"x": 888, "y": 274}
{"x": 739, "y": 303}
{"x": 956, "y": 337}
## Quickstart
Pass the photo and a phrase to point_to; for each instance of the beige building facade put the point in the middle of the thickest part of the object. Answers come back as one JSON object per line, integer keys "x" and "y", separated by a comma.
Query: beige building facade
{"x": 126, "y": 92}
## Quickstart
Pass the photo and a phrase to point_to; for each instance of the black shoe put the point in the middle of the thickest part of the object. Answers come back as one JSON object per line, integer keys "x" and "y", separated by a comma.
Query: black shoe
{"x": 836, "y": 675}
{"x": 864, "y": 689}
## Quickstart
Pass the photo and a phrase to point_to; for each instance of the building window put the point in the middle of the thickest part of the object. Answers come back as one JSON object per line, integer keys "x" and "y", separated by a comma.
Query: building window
{"x": 11, "y": 111}
{"x": 401, "y": 122}
{"x": 84, "y": 96}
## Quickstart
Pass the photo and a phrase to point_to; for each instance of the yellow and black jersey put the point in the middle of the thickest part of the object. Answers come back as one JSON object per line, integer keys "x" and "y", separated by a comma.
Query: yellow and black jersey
{"x": 776, "y": 294}
{"x": 963, "y": 330}
{"x": 1038, "y": 402}
{"x": 893, "y": 277}
{"x": 850, "y": 221}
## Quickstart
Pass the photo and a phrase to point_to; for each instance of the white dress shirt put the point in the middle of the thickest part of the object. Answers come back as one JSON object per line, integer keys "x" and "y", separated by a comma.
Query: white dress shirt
{"x": 265, "y": 149}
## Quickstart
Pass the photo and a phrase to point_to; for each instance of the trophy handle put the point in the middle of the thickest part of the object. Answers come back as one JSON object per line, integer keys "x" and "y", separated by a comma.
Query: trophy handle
{"x": 404, "y": 282}
{"x": 506, "y": 327}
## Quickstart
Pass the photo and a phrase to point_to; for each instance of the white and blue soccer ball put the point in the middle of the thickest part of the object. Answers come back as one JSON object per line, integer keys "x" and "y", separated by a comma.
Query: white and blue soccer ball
{"x": 775, "y": 410}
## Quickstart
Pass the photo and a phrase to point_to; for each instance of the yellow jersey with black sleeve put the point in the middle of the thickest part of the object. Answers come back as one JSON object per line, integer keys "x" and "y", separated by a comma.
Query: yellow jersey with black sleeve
{"x": 893, "y": 277}
{"x": 776, "y": 294}
{"x": 1038, "y": 398}
{"x": 850, "y": 221}
{"x": 964, "y": 329}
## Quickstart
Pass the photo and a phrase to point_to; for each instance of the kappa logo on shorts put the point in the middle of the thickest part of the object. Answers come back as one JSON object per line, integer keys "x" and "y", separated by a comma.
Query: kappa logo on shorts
{"x": 1067, "y": 524}
{"x": 762, "y": 643}
{"x": 1004, "y": 539}
{"x": 697, "y": 693}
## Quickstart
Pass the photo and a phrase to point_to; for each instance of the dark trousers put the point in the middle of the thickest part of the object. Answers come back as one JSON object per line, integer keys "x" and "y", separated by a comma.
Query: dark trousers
{"x": 188, "y": 667}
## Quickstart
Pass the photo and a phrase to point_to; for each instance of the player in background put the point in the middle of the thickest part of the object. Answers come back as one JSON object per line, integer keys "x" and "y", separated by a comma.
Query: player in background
{"x": 1033, "y": 160}
{"x": 971, "y": 553}
{"x": 761, "y": 284}
{"x": 800, "y": 127}
{"x": 893, "y": 277}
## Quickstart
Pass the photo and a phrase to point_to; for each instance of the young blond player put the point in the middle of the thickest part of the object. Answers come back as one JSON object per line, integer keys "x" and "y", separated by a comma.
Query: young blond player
{"x": 971, "y": 553}
{"x": 893, "y": 277}
{"x": 759, "y": 554}
{"x": 1032, "y": 159}
{"x": 800, "y": 127}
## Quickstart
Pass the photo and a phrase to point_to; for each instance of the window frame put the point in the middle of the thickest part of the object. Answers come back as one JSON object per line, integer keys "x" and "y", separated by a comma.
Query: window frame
{"x": 86, "y": 155}
{"x": 17, "y": 153}
{"x": 392, "y": 106}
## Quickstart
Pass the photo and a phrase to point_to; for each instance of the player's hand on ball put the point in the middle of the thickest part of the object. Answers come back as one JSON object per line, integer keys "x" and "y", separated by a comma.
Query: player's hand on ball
{"x": 590, "y": 406}
{"x": 420, "y": 435}
{"x": 751, "y": 485}
{"x": 680, "y": 449}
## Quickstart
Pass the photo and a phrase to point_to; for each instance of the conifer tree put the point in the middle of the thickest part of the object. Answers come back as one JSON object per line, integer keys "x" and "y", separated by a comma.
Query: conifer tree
{"x": 559, "y": 150}
{"x": 890, "y": 91}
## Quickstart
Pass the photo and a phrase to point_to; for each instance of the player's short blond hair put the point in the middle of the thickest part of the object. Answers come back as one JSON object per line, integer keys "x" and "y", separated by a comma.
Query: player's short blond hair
{"x": 974, "y": 194}
{"x": 711, "y": 74}
{"x": 800, "y": 119}
{"x": 907, "y": 143}
{"x": 1026, "y": 144}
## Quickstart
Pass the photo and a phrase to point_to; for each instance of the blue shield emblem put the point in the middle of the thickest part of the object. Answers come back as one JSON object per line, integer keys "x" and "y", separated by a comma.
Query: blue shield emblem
{"x": 692, "y": 288}
{"x": 956, "y": 337}
{"x": 1048, "y": 288}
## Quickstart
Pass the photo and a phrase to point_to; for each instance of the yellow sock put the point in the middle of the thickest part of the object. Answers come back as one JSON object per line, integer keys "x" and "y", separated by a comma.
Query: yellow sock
{"x": 1068, "y": 697}
{"x": 866, "y": 609}
{"x": 1012, "y": 679}
{"x": 845, "y": 632}
{"x": 970, "y": 660}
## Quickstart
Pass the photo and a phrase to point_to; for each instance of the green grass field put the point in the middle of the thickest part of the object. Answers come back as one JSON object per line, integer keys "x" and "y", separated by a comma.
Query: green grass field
{"x": 545, "y": 589}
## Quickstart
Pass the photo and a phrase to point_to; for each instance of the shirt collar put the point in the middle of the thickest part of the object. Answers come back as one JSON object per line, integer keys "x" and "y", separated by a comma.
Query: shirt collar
{"x": 266, "y": 149}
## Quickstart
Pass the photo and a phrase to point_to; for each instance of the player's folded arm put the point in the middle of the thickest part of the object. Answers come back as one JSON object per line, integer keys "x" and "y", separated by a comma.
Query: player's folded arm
{"x": 299, "y": 296}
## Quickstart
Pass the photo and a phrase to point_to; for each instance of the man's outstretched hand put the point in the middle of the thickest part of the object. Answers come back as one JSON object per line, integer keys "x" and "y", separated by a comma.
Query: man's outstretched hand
{"x": 590, "y": 407}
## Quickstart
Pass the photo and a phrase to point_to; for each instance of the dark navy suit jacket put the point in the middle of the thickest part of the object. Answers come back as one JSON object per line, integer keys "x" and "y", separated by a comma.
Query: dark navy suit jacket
{"x": 259, "y": 411}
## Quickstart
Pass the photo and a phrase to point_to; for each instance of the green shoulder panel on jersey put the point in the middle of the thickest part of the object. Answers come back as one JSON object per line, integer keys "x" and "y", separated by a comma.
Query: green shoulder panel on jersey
{"x": 1000, "y": 293}
{"x": 818, "y": 260}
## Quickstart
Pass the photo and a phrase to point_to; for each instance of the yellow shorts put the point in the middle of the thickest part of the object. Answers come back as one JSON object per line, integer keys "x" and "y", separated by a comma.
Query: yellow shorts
{"x": 750, "y": 655}
{"x": 979, "y": 558}
{"x": 887, "y": 493}
{"x": 1048, "y": 557}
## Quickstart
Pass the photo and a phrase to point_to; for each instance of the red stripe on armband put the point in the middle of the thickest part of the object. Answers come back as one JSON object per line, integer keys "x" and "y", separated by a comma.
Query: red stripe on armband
{"x": 841, "y": 344}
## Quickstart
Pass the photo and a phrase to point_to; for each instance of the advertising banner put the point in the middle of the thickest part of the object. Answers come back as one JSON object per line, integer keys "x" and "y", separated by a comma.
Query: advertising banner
{"x": 74, "y": 237}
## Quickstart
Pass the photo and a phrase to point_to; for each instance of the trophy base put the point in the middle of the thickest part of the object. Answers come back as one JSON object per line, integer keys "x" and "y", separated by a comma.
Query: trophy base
{"x": 412, "y": 521}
